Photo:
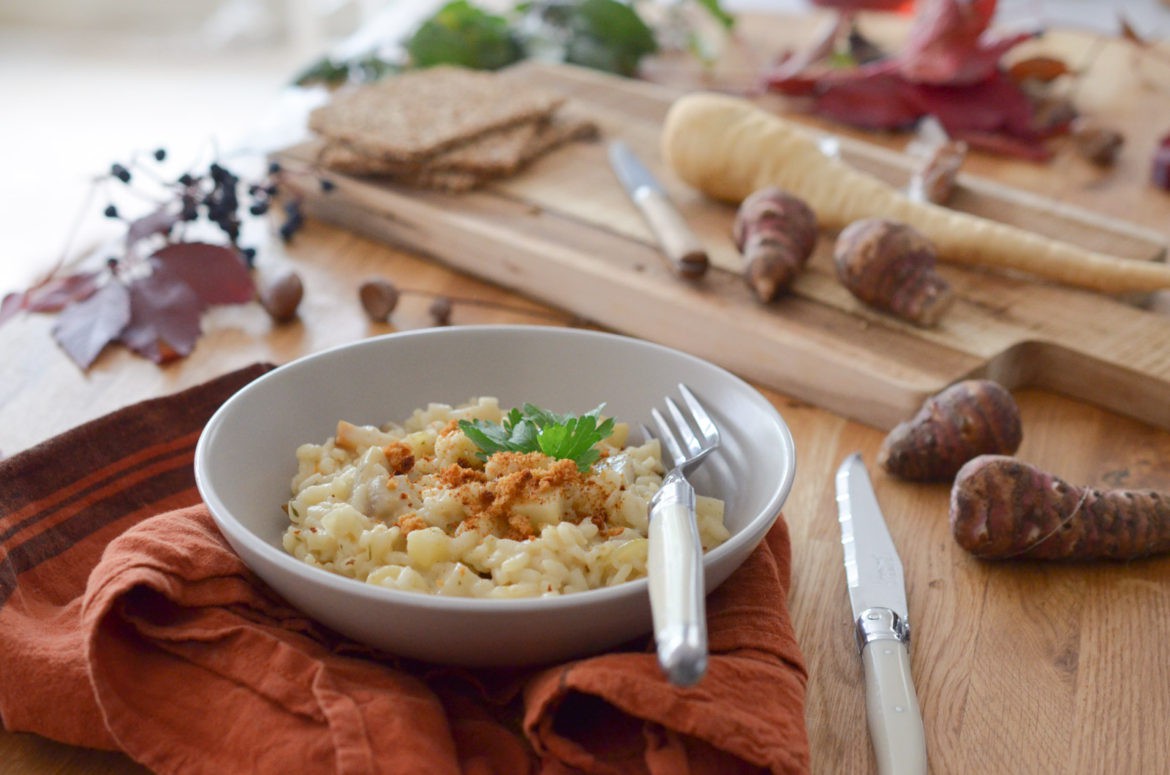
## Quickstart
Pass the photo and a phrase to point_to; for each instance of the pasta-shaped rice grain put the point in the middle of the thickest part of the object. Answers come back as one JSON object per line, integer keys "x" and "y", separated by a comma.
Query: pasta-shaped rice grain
{"x": 411, "y": 507}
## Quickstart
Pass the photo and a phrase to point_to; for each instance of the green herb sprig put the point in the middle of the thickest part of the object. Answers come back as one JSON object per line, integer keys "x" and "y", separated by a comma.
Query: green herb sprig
{"x": 532, "y": 429}
{"x": 607, "y": 35}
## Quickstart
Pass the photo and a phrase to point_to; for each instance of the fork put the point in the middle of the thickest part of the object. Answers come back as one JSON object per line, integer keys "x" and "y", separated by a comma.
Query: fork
{"x": 675, "y": 562}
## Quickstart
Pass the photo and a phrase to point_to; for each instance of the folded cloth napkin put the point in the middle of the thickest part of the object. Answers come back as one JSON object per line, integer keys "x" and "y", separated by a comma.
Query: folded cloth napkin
{"x": 127, "y": 623}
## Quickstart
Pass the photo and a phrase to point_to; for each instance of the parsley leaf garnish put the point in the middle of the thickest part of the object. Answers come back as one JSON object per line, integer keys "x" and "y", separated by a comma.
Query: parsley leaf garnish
{"x": 532, "y": 429}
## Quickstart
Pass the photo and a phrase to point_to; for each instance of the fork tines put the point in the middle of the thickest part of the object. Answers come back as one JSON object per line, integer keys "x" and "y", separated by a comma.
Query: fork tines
{"x": 701, "y": 421}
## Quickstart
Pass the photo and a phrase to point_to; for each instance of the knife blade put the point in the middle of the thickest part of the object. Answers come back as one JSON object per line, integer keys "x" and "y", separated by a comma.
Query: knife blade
{"x": 683, "y": 249}
{"x": 877, "y": 594}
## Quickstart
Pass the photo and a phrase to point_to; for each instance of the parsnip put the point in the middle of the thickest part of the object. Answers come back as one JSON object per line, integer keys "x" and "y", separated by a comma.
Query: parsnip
{"x": 728, "y": 148}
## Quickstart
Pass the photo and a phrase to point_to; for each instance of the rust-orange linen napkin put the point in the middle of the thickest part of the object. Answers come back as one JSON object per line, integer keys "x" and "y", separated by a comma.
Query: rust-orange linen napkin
{"x": 126, "y": 622}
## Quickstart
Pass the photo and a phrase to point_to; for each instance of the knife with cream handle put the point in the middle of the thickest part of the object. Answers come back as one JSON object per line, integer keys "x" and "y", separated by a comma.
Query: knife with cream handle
{"x": 877, "y": 594}
{"x": 684, "y": 250}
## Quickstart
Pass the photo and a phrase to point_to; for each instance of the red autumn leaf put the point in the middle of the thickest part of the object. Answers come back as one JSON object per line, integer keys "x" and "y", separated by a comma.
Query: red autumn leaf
{"x": 996, "y": 104}
{"x": 164, "y": 318}
{"x": 947, "y": 45}
{"x": 881, "y": 102}
{"x": 949, "y": 69}
{"x": 158, "y": 222}
{"x": 56, "y": 294}
{"x": 978, "y": 113}
{"x": 84, "y": 329}
{"x": 215, "y": 273}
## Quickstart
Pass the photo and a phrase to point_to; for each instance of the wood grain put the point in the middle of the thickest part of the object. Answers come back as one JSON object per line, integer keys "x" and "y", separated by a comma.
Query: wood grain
{"x": 592, "y": 253}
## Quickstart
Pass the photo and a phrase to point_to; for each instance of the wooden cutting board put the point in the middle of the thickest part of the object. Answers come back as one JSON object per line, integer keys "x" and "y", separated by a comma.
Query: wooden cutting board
{"x": 565, "y": 233}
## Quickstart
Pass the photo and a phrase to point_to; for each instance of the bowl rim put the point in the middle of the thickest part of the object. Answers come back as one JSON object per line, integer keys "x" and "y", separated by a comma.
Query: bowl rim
{"x": 754, "y": 531}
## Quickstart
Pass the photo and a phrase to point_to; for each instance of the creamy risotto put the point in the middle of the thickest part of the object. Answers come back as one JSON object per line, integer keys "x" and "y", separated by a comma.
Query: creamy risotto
{"x": 412, "y": 506}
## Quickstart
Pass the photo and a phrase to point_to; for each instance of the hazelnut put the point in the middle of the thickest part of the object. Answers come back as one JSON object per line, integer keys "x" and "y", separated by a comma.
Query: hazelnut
{"x": 281, "y": 297}
{"x": 440, "y": 310}
{"x": 379, "y": 298}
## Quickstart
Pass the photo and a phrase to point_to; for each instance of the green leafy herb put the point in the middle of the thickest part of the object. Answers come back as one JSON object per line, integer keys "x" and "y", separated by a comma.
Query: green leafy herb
{"x": 461, "y": 34}
{"x": 363, "y": 69}
{"x": 532, "y": 429}
{"x": 717, "y": 11}
{"x": 607, "y": 35}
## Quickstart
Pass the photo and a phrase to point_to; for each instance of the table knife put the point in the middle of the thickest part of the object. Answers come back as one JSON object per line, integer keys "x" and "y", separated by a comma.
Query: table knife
{"x": 877, "y": 593}
{"x": 684, "y": 250}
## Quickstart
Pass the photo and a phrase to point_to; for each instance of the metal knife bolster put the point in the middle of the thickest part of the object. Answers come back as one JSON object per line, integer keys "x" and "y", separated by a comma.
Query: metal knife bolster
{"x": 880, "y": 624}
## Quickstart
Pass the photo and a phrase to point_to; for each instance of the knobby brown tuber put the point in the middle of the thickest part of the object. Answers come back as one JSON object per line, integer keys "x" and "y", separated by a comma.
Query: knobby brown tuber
{"x": 776, "y": 232}
{"x": 1002, "y": 508}
{"x": 728, "y": 147}
{"x": 891, "y": 266}
{"x": 967, "y": 419}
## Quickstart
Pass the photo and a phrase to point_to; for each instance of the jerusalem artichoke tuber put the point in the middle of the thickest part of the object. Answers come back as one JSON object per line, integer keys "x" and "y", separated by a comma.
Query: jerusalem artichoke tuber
{"x": 728, "y": 147}
{"x": 1002, "y": 508}
{"x": 891, "y": 266}
{"x": 967, "y": 419}
{"x": 776, "y": 232}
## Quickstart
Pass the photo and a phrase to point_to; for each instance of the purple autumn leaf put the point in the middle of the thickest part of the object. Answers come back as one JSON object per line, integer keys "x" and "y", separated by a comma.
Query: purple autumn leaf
{"x": 56, "y": 294}
{"x": 51, "y": 295}
{"x": 84, "y": 329}
{"x": 215, "y": 273}
{"x": 164, "y": 318}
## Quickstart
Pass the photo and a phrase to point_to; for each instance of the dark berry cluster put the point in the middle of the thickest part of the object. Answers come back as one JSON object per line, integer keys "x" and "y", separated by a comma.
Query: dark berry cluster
{"x": 294, "y": 219}
{"x": 223, "y": 201}
{"x": 216, "y": 196}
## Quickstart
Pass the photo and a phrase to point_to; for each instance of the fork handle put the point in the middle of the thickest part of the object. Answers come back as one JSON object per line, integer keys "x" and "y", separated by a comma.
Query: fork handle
{"x": 675, "y": 569}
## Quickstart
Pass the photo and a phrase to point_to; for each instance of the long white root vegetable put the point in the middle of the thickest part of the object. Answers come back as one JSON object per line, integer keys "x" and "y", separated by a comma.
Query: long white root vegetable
{"x": 727, "y": 147}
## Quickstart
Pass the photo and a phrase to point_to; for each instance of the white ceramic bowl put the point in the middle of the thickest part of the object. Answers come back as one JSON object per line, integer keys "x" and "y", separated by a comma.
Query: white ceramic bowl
{"x": 245, "y": 461}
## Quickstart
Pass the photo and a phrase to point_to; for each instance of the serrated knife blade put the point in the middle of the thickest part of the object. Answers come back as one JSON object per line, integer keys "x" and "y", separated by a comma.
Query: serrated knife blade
{"x": 877, "y": 594}
{"x": 684, "y": 250}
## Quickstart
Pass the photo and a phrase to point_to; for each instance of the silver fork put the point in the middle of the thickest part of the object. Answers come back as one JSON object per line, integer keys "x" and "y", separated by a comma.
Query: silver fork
{"x": 675, "y": 563}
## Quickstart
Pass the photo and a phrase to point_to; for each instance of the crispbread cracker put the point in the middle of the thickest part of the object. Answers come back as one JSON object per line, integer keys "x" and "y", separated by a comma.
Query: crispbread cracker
{"x": 409, "y": 117}
{"x": 342, "y": 156}
{"x": 497, "y": 152}
{"x": 555, "y": 133}
{"x": 444, "y": 172}
{"x": 500, "y": 152}
{"x": 448, "y": 181}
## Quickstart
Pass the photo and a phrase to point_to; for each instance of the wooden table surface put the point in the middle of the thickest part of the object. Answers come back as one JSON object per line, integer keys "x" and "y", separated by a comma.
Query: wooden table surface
{"x": 1020, "y": 667}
